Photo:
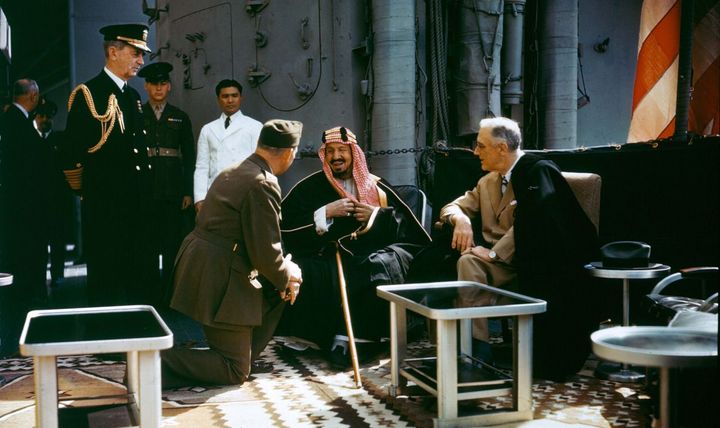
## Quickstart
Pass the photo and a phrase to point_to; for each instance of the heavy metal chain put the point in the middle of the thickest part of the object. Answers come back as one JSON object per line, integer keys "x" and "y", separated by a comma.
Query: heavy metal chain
{"x": 310, "y": 151}
{"x": 396, "y": 151}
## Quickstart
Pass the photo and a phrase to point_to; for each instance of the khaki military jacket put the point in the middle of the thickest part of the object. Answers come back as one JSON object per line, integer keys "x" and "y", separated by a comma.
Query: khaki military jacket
{"x": 237, "y": 232}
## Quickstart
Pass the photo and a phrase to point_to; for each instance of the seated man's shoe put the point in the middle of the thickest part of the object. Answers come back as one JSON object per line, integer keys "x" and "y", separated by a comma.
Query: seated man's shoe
{"x": 260, "y": 366}
{"x": 340, "y": 356}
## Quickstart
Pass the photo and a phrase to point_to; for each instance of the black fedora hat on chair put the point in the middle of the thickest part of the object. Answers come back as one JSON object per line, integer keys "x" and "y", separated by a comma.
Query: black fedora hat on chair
{"x": 624, "y": 255}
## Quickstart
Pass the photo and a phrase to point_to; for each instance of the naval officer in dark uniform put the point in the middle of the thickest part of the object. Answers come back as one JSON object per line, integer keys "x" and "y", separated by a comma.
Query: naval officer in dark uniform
{"x": 107, "y": 144}
{"x": 171, "y": 149}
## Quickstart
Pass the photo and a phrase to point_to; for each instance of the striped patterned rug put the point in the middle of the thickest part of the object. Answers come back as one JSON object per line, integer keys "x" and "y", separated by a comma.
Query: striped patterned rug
{"x": 302, "y": 390}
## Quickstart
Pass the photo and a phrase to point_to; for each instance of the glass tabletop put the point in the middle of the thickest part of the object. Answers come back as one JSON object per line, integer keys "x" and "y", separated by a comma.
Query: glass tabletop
{"x": 93, "y": 330}
{"x": 448, "y": 300}
{"x": 446, "y": 297}
{"x": 94, "y": 326}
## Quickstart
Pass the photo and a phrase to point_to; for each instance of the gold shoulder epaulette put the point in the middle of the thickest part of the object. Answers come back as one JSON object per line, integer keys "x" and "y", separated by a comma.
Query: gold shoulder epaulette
{"x": 107, "y": 120}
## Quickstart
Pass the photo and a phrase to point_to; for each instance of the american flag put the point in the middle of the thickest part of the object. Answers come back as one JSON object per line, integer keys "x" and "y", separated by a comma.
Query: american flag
{"x": 656, "y": 76}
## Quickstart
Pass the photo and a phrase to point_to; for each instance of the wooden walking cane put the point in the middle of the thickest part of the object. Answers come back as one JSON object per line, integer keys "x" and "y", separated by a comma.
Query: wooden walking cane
{"x": 348, "y": 320}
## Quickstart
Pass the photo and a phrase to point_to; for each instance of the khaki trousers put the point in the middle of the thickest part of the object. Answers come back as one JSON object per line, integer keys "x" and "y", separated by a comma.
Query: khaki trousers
{"x": 229, "y": 358}
{"x": 497, "y": 274}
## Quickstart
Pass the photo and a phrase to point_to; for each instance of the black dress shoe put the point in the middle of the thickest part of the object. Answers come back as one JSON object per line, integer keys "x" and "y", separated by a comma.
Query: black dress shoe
{"x": 260, "y": 366}
{"x": 340, "y": 358}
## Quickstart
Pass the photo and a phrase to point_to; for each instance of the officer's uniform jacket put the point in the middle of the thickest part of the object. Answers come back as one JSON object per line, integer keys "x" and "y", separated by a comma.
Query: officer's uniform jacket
{"x": 171, "y": 150}
{"x": 115, "y": 183}
{"x": 237, "y": 232}
{"x": 119, "y": 168}
{"x": 219, "y": 148}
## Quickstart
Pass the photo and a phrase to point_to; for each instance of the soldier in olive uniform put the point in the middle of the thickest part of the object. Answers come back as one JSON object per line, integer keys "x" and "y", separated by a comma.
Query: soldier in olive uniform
{"x": 105, "y": 138}
{"x": 171, "y": 149}
{"x": 231, "y": 274}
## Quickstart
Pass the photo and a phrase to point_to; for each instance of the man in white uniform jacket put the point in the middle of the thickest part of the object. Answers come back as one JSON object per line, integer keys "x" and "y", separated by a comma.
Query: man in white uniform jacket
{"x": 225, "y": 141}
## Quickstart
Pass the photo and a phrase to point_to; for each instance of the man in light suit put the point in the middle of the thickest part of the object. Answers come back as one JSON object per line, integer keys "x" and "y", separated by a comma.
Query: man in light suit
{"x": 492, "y": 202}
{"x": 532, "y": 229}
{"x": 230, "y": 274}
{"x": 228, "y": 140}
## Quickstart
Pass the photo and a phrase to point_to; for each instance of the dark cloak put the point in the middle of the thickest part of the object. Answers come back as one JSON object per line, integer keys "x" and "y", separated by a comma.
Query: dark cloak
{"x": 554, "y": 239}
{"x": 380, "y": 256}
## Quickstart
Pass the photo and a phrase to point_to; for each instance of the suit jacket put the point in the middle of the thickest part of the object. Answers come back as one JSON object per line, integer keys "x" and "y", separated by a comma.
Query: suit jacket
{"x": 495, "y": 209}
{"x": 219, "y": 148}
{"x": 26, "y": 176}
{"x": 119, "y": 169}
{"x": 172, "y": 176}
{"x": 237, "y": 231}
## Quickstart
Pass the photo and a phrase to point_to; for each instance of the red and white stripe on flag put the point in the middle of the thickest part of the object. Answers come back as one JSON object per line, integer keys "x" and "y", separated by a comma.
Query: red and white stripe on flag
{"x": 655, "y": 92}
{"x": 654, "y": 96}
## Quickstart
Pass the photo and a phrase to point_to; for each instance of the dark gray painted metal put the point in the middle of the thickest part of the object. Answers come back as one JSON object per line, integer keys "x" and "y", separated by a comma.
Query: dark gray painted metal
{"x": 682, "y": 106}
{"x": 393, "y": 113}
{"x": 558, "y": 89}
{"x": 231, "y": 36}
{"x": 477, "y": 75}
{"x": 512, "y": 51}
{"x": 609, "y": 75}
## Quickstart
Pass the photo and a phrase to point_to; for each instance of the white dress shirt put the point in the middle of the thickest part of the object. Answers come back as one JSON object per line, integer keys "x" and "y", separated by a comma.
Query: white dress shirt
{"x": 118, "y": 81}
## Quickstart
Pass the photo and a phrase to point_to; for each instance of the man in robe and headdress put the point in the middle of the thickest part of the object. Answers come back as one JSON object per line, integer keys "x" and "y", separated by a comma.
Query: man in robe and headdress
{"x": 345, "y": 208}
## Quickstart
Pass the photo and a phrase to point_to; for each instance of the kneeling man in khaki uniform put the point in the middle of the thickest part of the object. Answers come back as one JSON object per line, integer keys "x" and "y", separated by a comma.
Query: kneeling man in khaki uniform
{"x": 231, "y": 274}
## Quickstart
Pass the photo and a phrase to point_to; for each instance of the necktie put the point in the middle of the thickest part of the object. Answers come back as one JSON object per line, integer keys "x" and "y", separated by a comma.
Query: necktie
{"x": 227, "y": 122}
{"x": 158, "y": 112}
{"x": 124, "y": 88}
{"x": 503, "y": 185}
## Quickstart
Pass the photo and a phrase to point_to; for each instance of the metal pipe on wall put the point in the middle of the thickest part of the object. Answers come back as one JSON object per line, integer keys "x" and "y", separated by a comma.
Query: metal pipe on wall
{"x": 558, "y": 93}
{"x": 682, "y": 103}
{"x": 513, "y": 21}
{"x": 477, "y": 67}
{"x": 71, "y": 43}
{"x": 393, "y": 113}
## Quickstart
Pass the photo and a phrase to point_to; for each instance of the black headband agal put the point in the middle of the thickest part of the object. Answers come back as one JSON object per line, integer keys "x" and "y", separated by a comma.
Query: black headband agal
{"x": 343, "y": 134}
